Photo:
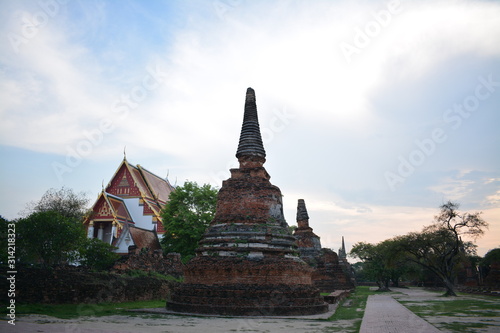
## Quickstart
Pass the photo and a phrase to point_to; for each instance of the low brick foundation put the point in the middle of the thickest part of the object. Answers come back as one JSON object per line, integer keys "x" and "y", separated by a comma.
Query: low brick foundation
{"x": 75, "y": 285}
{"x": 247, "y": 300}
{"x": 337, "y": 296}
{"x": 234, "y": 286}
{"x": 258, "y": 271}
{"x": 328, "y": 274}
{"x": 152, "y": 261}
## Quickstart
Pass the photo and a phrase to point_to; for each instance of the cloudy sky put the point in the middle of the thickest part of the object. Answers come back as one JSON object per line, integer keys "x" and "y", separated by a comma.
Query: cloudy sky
{"x": 375, "y": 113}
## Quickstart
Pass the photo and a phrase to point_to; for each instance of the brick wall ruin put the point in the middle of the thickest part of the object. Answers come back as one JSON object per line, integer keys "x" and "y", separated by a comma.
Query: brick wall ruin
{"x": 74, "y": 285}
{"x": 150, "y": 261}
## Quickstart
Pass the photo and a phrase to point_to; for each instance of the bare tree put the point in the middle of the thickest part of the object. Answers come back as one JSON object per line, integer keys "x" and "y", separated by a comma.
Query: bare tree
{"x": 64, "y": 201}
{"x": 440, "y": 248}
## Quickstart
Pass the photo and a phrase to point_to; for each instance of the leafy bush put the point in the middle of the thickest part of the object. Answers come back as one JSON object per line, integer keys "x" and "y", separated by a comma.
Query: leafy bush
{"x": 186, "y": 216}
{"x": 97, "y": 255}
{"x": 49, "y": 238}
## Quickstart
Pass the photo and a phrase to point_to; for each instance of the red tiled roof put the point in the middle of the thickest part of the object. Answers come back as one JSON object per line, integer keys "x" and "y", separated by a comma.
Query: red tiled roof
{"x": 160, "y": 187}
{"x": 131, "y": 181}
{"x": 145, "y": 238}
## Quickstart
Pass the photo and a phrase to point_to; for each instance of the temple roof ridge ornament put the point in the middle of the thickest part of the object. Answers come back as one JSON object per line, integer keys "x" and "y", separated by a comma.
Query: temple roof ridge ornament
{"x": 250, "y": 143}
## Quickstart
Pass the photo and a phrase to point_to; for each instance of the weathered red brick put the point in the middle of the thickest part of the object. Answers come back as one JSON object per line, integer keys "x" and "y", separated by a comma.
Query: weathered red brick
{"x": 247, "y": 262}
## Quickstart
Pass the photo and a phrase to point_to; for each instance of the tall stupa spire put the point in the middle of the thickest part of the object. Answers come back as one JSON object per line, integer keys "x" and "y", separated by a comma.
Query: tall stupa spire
{"x": 302, "y": 215}
{"x": 342, "y": 251}
{"x": 247, "y": 255}
{"x": 250, "y": 144}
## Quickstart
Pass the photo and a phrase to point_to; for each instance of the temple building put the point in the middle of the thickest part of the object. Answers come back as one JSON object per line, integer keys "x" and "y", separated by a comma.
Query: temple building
{"x": 247, "y": 262}
{"x": 331, "y": 271}
{"x": 127, "y": 211}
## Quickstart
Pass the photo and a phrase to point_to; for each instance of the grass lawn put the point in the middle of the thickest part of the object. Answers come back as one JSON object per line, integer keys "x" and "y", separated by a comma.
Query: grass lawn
{"x": 466, "y": 313}
{"x": 353, "y": 308}
{"x": 68, "y": 311}
{"x": 456, "y": 307}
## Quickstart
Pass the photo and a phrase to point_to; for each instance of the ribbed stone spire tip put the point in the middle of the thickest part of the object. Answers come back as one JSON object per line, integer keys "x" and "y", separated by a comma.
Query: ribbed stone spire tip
{"x": 250, "y": 139}
{"x": 302, "y": 211}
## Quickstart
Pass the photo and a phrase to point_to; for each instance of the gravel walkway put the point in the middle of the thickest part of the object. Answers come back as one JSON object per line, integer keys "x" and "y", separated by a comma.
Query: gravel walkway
{"x": 383, "y": 314}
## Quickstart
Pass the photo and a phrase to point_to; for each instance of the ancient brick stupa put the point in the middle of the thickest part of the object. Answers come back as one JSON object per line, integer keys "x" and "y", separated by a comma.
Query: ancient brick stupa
{"x": 247, "y": 262}
{"x": 308, "y": 242}
{"x": 330, "y": 273}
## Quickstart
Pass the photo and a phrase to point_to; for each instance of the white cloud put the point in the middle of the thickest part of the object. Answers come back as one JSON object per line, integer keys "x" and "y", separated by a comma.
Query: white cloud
{"x": 66, "y": 79}
{"x": 453, "y": 189}
{"x": 427, "y": 34}
{"x": 491, "y": 180}
{"x": 297, "y": 62}
{"x": 52, "y": 92}
{"x": 494, "y": 199}
{"x": 384, "y": 222}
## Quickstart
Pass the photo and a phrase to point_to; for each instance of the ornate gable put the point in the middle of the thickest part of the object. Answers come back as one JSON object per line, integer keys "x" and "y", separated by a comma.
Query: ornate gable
{"x": 131, "y": 182}
{"x": 147, "y": 209}
{"x": 123, "y": 183}
{"x": 159, "y": 227}
{"x": 102, "y": 210}
{"x": 140, "y": 182}
{"x": 120, "y": 209}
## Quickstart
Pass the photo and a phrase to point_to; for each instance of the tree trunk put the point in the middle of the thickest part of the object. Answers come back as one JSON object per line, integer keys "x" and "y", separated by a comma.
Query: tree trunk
{"x": 387, "y": 281}
{"x": 383, "y": 285}
{"x": 450, "y": 288}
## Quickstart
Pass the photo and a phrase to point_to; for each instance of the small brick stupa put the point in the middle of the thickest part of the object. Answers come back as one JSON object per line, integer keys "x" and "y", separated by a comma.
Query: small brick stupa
{"x": 247, "y": 262}
{"x": 330, "y": 272}
{"x": 309, "y": 243}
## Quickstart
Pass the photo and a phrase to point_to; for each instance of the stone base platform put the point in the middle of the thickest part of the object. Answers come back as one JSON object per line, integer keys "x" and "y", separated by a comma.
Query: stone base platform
{"x": 337, "y": 296}
{"x": 163, "y": 311}
{"x": 247, "y": 300}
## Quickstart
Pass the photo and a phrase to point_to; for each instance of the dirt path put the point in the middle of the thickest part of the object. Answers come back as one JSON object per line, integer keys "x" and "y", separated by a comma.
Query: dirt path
{"x": 170, "y": 324}
{"x": 383, "y": 314}
{"x": 400, "y": 321}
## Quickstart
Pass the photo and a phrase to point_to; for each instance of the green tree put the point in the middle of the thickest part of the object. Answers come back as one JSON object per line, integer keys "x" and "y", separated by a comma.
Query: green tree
{"x": 440, "y": 248}
{"x": 53, "y": 233}
{"x": 186, "y": 216}
{"x": 491, "y": 257}
{"x": 382, "y": 262}
{"x": 97, "y": 255}
{"x": 373, "y": 267}
{"x": 49, "y": 238}
{"x": 485, "y": 263}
